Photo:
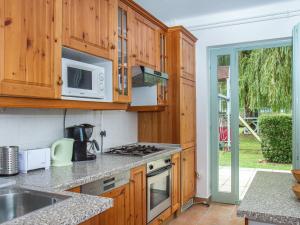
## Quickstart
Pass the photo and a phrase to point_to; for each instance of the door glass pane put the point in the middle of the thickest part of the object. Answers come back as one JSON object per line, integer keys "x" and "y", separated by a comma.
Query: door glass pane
{"x": 120, "y": 21}
{"x": 125, "y": 23}
{"x": 159, "y": 191}
{"x": 125, "y": 51}
{"x": 224, "y": 113}
{"x": 119, "y": 51}
{"x": 125, "y": 81}
{"x": 120, "y": 80}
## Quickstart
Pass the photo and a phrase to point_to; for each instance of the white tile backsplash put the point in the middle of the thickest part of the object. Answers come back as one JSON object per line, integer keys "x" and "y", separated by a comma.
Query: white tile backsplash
{"x": 38, "y": 128}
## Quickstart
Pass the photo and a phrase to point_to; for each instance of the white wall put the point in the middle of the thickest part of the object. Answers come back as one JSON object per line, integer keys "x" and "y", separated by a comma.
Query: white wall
{"x": 36, "y": 128}
{"x": 256, "y": 24}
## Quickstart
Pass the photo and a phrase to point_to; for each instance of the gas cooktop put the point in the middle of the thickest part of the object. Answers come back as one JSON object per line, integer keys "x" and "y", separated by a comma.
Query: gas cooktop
{"x": 134, "y": 150}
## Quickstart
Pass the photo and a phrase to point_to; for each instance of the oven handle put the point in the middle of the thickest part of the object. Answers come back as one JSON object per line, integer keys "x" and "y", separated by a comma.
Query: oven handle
{"x": 159, "y": 171}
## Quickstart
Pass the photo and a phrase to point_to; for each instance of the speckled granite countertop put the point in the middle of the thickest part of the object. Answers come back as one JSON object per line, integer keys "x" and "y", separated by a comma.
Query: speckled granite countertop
{"x": 270, "y": 199}
{"x": 81, "y": 207}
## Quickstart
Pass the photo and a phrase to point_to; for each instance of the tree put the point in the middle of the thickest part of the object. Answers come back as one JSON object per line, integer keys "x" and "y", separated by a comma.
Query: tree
{"x": 266, "y": 79}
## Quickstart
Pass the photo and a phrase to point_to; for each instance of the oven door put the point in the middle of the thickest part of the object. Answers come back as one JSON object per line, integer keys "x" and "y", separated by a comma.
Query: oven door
{"x": 158, "y": 192}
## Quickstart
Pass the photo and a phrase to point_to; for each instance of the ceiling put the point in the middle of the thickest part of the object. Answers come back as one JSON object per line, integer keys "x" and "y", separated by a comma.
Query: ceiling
{"x": 167, "y": 10}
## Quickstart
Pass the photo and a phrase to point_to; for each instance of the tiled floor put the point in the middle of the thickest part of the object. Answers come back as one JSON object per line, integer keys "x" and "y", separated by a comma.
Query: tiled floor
{"x": 216, "y": 214}
{"x": 246, "y": 177}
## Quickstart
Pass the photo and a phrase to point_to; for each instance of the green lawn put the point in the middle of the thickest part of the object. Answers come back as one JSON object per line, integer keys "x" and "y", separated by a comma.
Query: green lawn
{"x": 251, "y": 156}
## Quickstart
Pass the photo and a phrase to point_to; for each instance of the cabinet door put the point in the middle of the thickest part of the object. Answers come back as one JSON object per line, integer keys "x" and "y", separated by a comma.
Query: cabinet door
{"x": 90, "y": 26}
{"x": 27, "y": 48}
{"x": 187, "y": 58}
{"x": 119, "y": 214}
{"x": 175, "y": 182}
{"x": 122, "y": 79}
{"x": 145, "y": 43}
{"x": 187, "y": 113}
{"x": 138, "y": 196}
{"x": 93, "y": 221}
{"x": 187, "y": 174}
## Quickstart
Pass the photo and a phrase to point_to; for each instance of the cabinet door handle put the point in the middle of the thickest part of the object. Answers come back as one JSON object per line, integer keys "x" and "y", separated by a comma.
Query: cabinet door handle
{"x": 184, "y": 159}
{"x": 132, "y": 181}
{"x": 134, "y": 56}
{"x": 113, "y": 46}
{"x": 160, "y": 220}
{"x": 182, "y": 67}
{"x": 60, "y": 82}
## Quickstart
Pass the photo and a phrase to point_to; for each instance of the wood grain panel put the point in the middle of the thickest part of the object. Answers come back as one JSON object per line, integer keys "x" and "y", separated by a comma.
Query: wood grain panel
{"x": 10, "y": 102}
{"x": 119, "y": 214}
{"x": 138, "y": 194}
{"x": 27, "y": 48}
{"x": 90, "y": 26}
{"x": 188, "y": 181}
{"x": 187, "y": 113}
{"x": 176, "y": 181}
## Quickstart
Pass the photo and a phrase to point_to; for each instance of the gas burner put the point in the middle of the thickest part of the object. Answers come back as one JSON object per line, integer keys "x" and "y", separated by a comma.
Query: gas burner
{"x": 134, "y": 150}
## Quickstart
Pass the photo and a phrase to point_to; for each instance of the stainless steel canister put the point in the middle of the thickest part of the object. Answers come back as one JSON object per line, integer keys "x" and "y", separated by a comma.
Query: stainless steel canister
{"x": 9, "y": 160}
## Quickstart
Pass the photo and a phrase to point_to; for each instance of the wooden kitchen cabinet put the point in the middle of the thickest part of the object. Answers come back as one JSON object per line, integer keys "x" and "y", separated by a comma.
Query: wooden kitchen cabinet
{"x": 188, "y": 179}
{"x": 187, "y": 53}
{"x": 119, "y": 214}
{"x": 29, "y": 48}
{"x": 93, "y": 221}
{"x": 90, "y": 26}
{"x": 122, "y": 79}
{"x": 138, "y": 200}
{"x": 145, "y": 42}
{"x": 187, "y": 113}
{"x": 162, "y": 218}
{"x": 176, "y": 182}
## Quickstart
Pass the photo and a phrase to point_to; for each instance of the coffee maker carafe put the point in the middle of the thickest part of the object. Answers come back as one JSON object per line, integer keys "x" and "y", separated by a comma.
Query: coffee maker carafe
{"x": 81, "y": 135}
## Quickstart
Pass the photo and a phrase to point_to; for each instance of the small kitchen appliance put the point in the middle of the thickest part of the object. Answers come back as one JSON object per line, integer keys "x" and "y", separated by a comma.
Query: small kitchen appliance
{"x": 61, "y": 152}
{"x": 159, "y": 186}
{"x": 82, "y": 80}
{"x": 82, "y": 145}
{"x": 9, "y": 160}
{"x": 141, "y": 150}
{"x": 33, "y": 159}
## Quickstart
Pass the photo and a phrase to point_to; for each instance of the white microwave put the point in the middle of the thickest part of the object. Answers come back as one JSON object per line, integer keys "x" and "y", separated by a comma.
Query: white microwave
{"x": 82, "y": 80}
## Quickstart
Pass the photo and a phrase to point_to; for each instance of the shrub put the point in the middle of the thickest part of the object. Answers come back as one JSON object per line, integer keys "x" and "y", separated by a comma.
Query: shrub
{"x": 276, "y": 136}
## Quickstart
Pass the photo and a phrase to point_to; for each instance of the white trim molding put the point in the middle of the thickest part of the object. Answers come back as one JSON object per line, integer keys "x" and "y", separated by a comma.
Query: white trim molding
{"x": 273, "y": 16}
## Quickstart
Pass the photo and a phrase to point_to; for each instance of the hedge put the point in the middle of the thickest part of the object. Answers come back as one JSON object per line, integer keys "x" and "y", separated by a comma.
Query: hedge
{"x": 276, "y": 136}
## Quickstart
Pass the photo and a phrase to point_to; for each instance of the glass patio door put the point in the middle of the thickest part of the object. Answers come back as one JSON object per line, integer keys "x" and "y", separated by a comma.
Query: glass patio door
{"x": 224, "y": 126}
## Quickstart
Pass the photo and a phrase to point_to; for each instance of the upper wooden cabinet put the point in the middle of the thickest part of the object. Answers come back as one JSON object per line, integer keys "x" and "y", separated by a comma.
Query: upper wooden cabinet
{"x": 188, "y": 179}
{"x": 145, "y": 42}
{"x": 187, "y": 58}
{"x": 187, "y": 113}
{"x": 122, "y": 79}
{"x": 90, "y": 26}
{"x": 29, "y": 44}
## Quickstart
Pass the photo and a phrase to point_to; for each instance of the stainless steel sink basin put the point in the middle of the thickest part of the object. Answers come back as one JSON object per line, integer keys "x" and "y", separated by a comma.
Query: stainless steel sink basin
{"x": 16, "y": 202}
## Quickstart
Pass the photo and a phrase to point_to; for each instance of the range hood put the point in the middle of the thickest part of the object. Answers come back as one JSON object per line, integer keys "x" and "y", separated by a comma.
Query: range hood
{"x": 146, "y": 77}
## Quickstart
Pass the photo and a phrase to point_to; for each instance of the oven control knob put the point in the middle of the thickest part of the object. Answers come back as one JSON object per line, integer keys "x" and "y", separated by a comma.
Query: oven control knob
{"x": 167, "y": 160}
{"x": 151, "y": 167}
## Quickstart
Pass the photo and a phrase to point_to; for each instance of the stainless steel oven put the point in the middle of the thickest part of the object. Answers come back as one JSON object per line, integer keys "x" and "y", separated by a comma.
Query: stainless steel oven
{"x": 158, "y": 187}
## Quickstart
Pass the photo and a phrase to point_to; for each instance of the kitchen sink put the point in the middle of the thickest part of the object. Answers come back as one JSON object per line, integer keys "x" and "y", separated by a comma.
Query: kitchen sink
{"x": 16, "y": 202}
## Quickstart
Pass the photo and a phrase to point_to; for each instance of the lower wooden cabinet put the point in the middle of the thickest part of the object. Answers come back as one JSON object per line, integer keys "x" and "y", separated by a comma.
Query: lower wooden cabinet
{"x": 138, "y": 200}
{"x": 176, "y": 182}
{"x": 162, "y": 217}
{"x": 93, "y": 221}
{"x": 119, "y": 214}
{"x": 188, "y": 179}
